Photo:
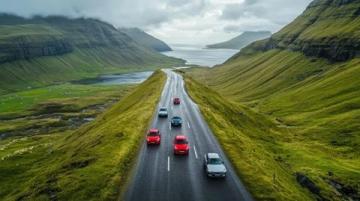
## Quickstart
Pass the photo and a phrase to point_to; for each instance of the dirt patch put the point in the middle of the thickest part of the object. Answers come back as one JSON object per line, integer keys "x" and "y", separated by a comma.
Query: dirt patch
{"x": 54, "y": 117}
{"x": 79, "y": 164}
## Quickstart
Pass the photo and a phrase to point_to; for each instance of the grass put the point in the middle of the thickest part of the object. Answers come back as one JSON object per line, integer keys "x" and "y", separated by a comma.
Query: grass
{"x": 24, "y": 74}
{"x": 55, "y": 108}
{"x": 325, "y": 21}
{"x": 95, "y": 48}
{"x": 254, "y": 144}
{"x": 311, "y": 107}
{"x": 25, "y": 102}
{"x": 91, "y": 163}
{"x": 304, "y": 110}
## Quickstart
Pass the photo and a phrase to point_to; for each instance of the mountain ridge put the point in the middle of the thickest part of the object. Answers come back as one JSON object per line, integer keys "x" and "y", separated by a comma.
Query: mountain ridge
{"x": 304, "y": 82}
{"x": 146, "y": 39}
{"x": 241, "y": 40}
{"x": 44, "y": 50}
{"x": 326, "y": 29}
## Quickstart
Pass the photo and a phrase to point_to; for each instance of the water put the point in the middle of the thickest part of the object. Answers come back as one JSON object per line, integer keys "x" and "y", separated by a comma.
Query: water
{"x": 117, "y": 79}
{"x": 200, "y": 56}
{"x": 192, "y": 54}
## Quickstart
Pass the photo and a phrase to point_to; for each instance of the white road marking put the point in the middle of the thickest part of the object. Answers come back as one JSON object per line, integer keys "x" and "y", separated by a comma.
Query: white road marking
{"x": 169, "y": 126}
{"x": 196, "y": 156}
{"x": 188, "y": 124}
{"x": 168, "y": 167}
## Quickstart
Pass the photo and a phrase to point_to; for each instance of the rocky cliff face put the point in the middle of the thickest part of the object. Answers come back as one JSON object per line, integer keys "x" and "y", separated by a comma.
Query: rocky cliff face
{"x": 22, "y": 38}
{"x": 327, "y": 28}
{"x": 332, "y": 48}
{"x": 23, "y": 47}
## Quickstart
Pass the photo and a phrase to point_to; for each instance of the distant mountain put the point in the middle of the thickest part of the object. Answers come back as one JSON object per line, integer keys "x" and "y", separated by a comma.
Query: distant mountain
{"x": 43, "y": 50}
{"x": 146, "y": 39}
{"x": 242, "y": 40}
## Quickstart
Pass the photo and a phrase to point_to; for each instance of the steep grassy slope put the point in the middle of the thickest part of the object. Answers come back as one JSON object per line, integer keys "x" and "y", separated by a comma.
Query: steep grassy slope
{"x": 317, "y": 117}
{"x": 327, "y": 28}
{"x": 91, "y": 163}
{"x": 146, "y": 39}
{"x": 306, "y": 82}
{"x": 39, "y": 51}
{"x": 256, "y": 146}
{"x": 242, "y": 40}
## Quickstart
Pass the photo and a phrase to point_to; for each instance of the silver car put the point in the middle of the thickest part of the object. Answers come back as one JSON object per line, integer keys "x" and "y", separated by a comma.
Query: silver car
{"x": 214, "y": 165}
{"x": 163, "y": 112}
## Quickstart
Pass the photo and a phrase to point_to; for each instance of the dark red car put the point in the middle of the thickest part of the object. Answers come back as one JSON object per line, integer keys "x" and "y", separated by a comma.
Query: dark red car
{"x": 181, "y": 145}
{"x": 153, "y": 137}
{"x": 176, "y": 101}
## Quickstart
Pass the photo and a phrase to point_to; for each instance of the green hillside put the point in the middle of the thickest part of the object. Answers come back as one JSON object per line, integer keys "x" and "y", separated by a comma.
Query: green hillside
{"x": 45, "y": 50}
{"x": 146, "y": 39}
{"x": 328, "y": 29}
{"x": 90, "y": 163}
{"x": 301, "y": 87}
{"x": 242, "y": 40}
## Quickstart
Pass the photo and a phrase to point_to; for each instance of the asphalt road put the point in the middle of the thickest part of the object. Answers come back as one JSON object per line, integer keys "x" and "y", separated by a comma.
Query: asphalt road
{"x": 161, "y": 176}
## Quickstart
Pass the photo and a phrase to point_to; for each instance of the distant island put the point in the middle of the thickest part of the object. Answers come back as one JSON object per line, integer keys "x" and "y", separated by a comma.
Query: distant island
{"x": 146, "y": 39}
{"x": 242, "y": 40}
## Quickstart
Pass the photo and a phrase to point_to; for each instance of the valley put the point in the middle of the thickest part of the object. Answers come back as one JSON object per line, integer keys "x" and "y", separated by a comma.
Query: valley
{"x": 291, "y": 102}
{"x": 94, "y": 108}
{"x": 44, "y": 163}
{"x": 41, "y": 51}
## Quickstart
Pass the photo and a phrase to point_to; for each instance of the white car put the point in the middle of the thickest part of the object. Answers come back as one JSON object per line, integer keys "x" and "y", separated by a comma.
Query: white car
{"x": 163, "y": 112}
{"x": 214, "y": 166}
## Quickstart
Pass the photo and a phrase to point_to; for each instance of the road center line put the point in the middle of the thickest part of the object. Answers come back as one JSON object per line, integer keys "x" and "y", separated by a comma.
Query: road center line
{"x": 188, "y": 124}
{"x": 168, "y": 165}
{"x": 196, "y": 156}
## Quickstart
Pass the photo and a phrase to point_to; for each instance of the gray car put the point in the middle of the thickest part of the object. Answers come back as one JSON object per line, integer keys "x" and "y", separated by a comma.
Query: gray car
{"x": 214, "y": 166}
{"x": 163, "y": 112}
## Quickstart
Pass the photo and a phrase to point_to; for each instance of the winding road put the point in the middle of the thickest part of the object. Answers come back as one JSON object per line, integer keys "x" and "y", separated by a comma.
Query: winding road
{"x": 161, "y": 176}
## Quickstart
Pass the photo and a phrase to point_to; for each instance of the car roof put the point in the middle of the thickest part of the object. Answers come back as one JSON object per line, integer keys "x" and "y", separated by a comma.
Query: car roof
{"x": 213, "y": 155}
{"x": 154, "y": 130}
{"x": 180, "y": 137}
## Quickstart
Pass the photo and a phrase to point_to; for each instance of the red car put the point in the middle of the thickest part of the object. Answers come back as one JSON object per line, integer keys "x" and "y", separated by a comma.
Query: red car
{"x": 181, "y": 145}
{"x": 153, "y": 137}
{"x": 176, "y": 101}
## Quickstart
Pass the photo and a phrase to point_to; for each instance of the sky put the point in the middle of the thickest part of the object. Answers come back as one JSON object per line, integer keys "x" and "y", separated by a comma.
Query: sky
{"x": 197, "y": 22}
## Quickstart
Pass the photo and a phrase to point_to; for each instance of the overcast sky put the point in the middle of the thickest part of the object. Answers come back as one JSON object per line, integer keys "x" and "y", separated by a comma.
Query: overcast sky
{"x": 174, "y": 21}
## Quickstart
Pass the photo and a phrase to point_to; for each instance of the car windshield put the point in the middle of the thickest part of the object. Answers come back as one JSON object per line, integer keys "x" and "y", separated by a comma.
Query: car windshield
{"x": 163, "y": 109}
{"x": 176, "y": 118}
{"x": 181, "y": 141}
{"x": 215, "y": 161}
{"x": 153, "y": 133}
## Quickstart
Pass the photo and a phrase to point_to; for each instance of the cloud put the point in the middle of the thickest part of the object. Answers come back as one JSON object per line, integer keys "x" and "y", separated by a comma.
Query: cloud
{"x": 233, "y": 12}
{"x": 175, "y": 21}
{"x": 277, "y": 11}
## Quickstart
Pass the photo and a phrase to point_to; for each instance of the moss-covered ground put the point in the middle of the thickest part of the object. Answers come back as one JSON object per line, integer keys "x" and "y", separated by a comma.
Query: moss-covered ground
{"x": 89, "y": 163}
